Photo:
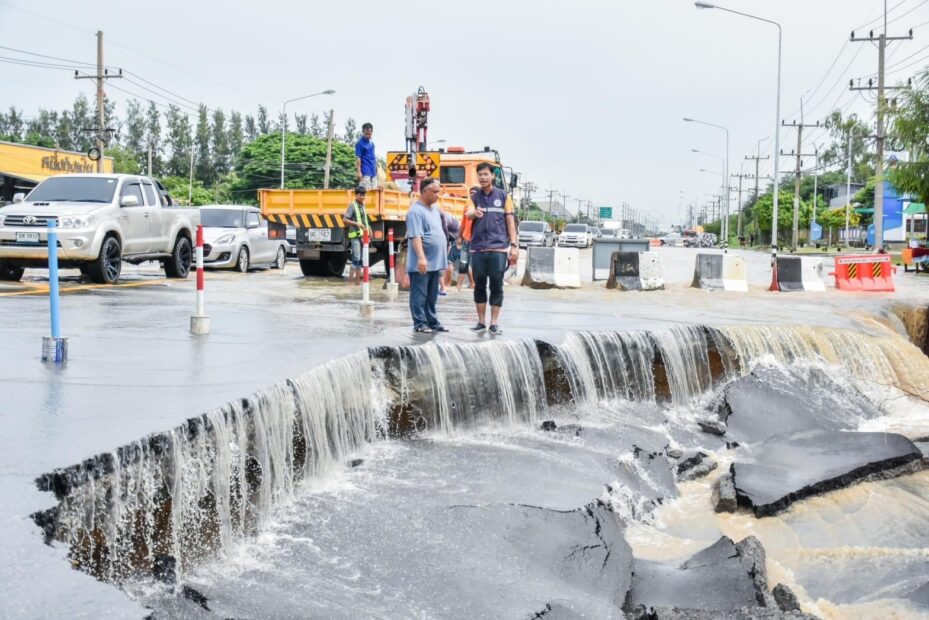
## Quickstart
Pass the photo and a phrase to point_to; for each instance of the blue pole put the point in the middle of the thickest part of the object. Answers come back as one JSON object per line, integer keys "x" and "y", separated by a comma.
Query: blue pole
{"x": 53, "y": 279}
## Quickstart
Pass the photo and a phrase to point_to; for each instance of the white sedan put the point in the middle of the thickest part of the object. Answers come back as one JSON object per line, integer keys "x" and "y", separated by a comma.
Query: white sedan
{"x": 236, "y": 237}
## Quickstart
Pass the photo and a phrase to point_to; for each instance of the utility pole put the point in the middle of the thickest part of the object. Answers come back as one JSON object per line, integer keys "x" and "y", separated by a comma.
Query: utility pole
{"x": 579, "y": 202}
{"x": 529, "y": 187}
{"x": 564, "y": 197}
{"x": 882, "y": 40}
{"x": 328, "y": 152}
{"x": 815, "y": 189}
{"x": 795, "y": 231}
{"x": 149, "y": 158}
{"x": 738, "y": 204}
{"x": 848, "y": 186}
{"x": 757, "y": 159}
{"x": 101, "y": 132}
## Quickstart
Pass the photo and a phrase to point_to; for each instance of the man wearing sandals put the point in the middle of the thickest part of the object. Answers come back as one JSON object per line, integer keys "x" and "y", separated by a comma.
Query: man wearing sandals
{"x": 493, "y": 245}
{"x": 428, "y": 258}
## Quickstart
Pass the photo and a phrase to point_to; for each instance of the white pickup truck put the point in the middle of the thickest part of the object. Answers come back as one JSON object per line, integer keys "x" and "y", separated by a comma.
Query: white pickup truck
{"x": 101, "y": 220}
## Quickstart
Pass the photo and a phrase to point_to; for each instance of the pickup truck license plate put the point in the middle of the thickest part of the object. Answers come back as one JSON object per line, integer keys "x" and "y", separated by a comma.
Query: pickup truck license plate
{"x": 27, "y": 237}
{"x": 318, "y": 234}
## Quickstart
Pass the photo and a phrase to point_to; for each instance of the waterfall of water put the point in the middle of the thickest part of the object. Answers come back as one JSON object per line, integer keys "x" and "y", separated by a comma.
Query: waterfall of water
{"x": 180, "y": 495}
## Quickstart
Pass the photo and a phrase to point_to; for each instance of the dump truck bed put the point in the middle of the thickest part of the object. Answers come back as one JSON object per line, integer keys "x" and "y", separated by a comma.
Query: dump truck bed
{"x": 324, "y": 208}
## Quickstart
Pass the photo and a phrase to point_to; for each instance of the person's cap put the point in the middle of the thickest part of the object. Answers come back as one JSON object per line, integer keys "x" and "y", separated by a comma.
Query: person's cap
{"x": 361, "y": 189}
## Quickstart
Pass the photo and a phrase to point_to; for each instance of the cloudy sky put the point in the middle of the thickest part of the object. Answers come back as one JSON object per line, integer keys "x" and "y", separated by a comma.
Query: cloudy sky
{"x": 585, "y": 97}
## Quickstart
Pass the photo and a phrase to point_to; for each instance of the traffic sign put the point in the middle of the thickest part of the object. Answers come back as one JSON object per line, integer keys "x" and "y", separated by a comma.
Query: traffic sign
{"x": 606, "y": 213}
{"x": 427, "y": 165}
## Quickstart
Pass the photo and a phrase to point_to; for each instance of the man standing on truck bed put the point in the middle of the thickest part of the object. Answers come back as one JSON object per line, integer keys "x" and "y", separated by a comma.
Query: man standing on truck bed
{"x": 365, "y": 161}
{"x": 493, "y": 243}
{"x": 356, "y": 220}
{"x": 427, "y": 257}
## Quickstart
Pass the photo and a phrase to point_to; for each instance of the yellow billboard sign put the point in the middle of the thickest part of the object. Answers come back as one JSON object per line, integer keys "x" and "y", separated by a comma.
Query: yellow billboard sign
{"x": 36, "y": 163}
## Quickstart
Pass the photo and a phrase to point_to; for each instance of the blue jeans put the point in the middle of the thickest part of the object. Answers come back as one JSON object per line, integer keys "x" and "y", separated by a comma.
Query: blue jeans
{"x": 424, "y": 292}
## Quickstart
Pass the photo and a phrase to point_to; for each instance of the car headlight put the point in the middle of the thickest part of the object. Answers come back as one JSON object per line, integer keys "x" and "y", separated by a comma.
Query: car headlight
{"x": 75, "y": 221}
{"x": 228, "y": 238}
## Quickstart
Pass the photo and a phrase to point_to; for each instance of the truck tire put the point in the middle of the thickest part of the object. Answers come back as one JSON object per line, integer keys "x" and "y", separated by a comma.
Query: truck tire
{"x": 11, "y": 273}
{"x": 178, "y": 265}
{"x": 331, "y": 266}
{"x": 105, "y": 269}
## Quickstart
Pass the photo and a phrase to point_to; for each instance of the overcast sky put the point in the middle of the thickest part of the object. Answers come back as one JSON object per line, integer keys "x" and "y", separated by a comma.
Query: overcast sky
{"x": 583, "y": 96}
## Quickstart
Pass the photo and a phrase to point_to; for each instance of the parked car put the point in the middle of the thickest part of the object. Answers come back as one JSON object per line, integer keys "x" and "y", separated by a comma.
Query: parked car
{"x": 576, "y": 235}
{"x": 672, "y": 240}
{"x": 595, "y": 232}
{"x": 102, "y": 220}
{"x": 236, "y": 237}
{"x": 535, "y": 233}
{"x": 609, "y": 233}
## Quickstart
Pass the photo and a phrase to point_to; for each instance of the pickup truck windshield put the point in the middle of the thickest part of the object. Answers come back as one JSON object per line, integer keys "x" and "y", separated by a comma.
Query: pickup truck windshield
{"x": 221, "y": 218}
{"x": 74, "y": 189}
{"x": 575, "y": 228}
{"x": 531, "y": 226}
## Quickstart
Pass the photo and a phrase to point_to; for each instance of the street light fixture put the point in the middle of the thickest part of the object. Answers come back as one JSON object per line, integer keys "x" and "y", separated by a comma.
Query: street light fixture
{"x": 284, "y": 125}
{"x": 725, "y": 225}
{"x": 777, "y": 119}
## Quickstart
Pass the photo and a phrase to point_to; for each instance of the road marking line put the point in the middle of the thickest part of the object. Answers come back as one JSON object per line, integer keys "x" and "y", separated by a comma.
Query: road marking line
{"x": 43, "y": 289}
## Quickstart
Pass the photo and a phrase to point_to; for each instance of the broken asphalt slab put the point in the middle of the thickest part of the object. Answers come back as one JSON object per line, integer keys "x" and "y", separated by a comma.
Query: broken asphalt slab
{"x": 791, "y": 467}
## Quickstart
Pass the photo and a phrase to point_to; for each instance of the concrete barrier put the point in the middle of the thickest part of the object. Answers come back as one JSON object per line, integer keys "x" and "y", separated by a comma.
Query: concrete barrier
{"x": 636, "y": 271}
{"x": 800, "y": 273}
{"x": 552, "y": 268}
{"x": 720, "y": 272}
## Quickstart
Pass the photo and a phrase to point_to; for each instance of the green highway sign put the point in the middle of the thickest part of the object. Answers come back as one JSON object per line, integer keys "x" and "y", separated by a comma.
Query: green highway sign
{"x": 606, "y": 213}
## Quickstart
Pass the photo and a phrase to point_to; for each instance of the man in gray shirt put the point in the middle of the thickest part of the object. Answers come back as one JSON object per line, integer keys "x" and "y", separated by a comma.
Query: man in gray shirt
{"x": 427, "y": 257}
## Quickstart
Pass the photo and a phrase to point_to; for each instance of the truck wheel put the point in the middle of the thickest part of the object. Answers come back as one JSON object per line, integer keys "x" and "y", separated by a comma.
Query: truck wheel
{"x": 11, "y": 273}
{"x": 178, "y": 265}
{"x": 105, "y": 269}
{"x": 241, "y": 263}
{"x": 280, "y": 260}
{"x": 332, "y": 266}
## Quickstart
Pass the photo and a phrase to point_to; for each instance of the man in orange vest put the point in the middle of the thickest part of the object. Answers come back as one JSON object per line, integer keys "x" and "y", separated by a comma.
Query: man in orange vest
{"x": 464, "y": 246}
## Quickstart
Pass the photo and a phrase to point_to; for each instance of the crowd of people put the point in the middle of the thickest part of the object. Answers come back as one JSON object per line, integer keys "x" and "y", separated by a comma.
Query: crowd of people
{"x": 480, "y": 247}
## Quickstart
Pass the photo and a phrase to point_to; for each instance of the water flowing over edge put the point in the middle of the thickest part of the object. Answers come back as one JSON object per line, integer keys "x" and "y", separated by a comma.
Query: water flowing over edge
{"x": 160, "y": 505}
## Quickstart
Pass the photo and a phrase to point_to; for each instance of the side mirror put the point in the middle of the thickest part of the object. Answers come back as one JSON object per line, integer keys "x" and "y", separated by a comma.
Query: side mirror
{"x": 19, "y": 197}
{"x": 252, "y": 225}
{"x": 514, "y": 179}
{"x": 129, "y": 201}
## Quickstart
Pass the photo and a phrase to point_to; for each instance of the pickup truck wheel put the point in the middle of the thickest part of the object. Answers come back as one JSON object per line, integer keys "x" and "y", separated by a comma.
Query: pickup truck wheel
{"x": 241, "y": 263}
{"x": 11, "y": 273}
{"x": 178, "y": 265}
{"x": 105, "y": 269}
{"x": 332, "y": 266}
{"x": 280, "y": 260}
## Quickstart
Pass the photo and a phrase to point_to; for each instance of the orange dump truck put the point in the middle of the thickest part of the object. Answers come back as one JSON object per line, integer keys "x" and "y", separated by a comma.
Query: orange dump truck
{"x": 316, "y": 214}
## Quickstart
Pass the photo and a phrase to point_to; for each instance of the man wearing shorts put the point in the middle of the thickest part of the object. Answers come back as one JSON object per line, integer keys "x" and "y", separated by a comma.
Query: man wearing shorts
{"x": 493, "y": 244}
{"x": 356, "y": 222}
{"x": 365, "y": 161}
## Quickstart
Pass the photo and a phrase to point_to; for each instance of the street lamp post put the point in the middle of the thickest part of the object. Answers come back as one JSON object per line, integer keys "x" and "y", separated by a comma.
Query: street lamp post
{"x": 725, "y": 225}
{"x": 284, "y": 126}
{"x": 722, "y": 186}
{"x": 777, "y": 119}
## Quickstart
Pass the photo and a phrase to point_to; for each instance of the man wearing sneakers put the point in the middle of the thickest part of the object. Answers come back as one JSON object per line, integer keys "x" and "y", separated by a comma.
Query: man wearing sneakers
{"x": 493, "y": 243}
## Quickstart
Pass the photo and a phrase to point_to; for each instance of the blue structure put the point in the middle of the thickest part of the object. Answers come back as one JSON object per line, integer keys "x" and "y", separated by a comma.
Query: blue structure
{"x": 894, "y": 222}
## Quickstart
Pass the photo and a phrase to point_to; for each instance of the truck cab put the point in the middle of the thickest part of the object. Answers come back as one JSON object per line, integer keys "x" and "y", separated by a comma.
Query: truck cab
{"x": 458, "y": 170}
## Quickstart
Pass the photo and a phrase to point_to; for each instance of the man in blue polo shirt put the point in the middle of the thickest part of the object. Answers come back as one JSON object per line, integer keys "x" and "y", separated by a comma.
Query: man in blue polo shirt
{"x": 427, "y": 258}
{"x": 493, "y": 245}
{"x": 365, "y": 161}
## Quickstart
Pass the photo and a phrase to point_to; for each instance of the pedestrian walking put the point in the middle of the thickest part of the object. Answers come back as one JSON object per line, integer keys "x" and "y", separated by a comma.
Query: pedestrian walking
{"x": 356, "y": 222}
{"x": 365, "y": 160}
{"x": 428, "y": 245}
{"x": 493, "y": 245}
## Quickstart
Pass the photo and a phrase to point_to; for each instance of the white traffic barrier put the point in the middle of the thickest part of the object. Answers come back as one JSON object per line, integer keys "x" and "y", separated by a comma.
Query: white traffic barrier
{"x": 734, "y": 275}
{"x": 720, "y": 272}
{"x": 800, "y": 273}
{"x": 367, "y": 308}
{"x": 552, "y": 268}
{"x": 635, "y": 271}
{"x": 200, "y": 322}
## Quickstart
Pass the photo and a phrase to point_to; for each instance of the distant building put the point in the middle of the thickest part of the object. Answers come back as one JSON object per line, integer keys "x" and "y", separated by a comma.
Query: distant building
{"x": 836, "y": 195}
{"x": 554, "y": 209}
{"x": 22, "y": 167}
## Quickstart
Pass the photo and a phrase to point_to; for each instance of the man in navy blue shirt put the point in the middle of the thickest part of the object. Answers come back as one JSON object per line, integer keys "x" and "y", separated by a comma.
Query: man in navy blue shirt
{"x": 365, "y": 161}
{"x": 493, "y": 245}
{"x": 427, "y": 257}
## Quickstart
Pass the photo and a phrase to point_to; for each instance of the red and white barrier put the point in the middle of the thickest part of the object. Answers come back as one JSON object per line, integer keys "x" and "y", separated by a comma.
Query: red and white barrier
{"x": 390, "y": 254}
{"x": 200, "y": 322}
